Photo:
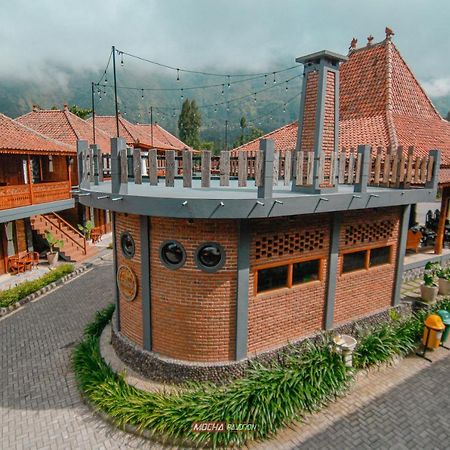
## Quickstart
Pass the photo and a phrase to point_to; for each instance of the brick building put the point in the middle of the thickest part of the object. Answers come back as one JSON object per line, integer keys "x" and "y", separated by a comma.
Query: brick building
{"x": 213, "y": 271}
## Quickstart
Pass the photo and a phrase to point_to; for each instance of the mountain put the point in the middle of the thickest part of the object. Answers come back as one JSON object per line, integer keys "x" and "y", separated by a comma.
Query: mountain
{"x": 275, "y": 106}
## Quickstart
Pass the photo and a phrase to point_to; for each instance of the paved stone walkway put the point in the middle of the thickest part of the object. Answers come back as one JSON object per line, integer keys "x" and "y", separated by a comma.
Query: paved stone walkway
{"x": 401, "y": 407}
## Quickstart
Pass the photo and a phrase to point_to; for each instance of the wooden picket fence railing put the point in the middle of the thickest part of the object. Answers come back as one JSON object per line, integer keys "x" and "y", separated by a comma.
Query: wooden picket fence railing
{"x": 385, "y": 168}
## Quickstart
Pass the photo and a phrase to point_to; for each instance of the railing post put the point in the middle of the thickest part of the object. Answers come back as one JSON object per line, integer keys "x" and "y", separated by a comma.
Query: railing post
{"x": 117, "y": 144}
{"x": 130, "y": 161}
{"x": 82, "y": 147}
{"x": 433, "y": 183}
{"x": 364, "y": 152}
{"x": 267, "y": 148}
{"x": 94, "y": 152}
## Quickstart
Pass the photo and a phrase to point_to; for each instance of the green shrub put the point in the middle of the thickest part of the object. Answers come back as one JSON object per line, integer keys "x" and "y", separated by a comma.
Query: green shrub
{"x": 269, "y": 398}
{"x": 16, "y": 293}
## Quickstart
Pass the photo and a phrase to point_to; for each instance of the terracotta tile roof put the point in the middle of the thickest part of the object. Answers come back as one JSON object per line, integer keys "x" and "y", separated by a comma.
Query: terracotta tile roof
{"x": 18, "y": 138}
{"x": 140, "y": 134}
{"x": 64, "y": 126}
{"x": 381, "y": 104}
{"x": 285, "y": 138}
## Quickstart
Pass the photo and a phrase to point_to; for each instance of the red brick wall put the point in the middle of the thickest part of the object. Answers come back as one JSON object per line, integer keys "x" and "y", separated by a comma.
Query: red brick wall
{"x": 194, "y": 312}
{"x": 130, "y": 312}
{"x": 329, "y": 120}
{"x": 286, "y": 314}
{"x": 309, "y": 115}
{"x": 364, "y": 292}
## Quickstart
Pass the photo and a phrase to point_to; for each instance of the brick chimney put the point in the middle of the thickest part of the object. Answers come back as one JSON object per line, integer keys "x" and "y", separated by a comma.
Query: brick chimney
{"x": 318, "y": 125}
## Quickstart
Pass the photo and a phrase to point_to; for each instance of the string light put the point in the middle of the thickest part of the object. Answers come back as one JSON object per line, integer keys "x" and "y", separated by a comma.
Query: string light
{"x": 287, "y": 85}
{"x": 166, "y": 66}
{"x": 121, "y": 59}
{"x": 182, "y": 96}
{"x": 255, "y": 96}
{"x": 178, "y": 74}
{"x": 223, "y": 87}
{"x": 274, "y": 79}
{"x": 142, "y": 94}
{"x": 229, "y": 84}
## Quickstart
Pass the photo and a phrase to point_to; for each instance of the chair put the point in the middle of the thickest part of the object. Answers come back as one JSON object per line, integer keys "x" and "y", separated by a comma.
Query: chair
{"x": 413, "y": 240}
{"x": 15, "y": 265}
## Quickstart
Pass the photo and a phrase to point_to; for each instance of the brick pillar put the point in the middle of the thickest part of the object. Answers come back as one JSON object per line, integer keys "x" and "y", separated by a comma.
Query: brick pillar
{"x": 318, "y": 125}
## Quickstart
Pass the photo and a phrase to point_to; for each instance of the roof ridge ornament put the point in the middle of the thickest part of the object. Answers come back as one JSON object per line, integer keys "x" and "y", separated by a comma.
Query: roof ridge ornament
{"x": 369, "y": 40}
{"x": 353, "y": 44}
{"x": 389, "y": 33}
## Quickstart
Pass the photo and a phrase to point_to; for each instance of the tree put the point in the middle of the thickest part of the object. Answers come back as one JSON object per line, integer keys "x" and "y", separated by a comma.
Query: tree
{"x": 189, "y": 123}
{"x": 243, "y": 124}
{"x": 254, "y": 133}
{"x": 80, "y": 112}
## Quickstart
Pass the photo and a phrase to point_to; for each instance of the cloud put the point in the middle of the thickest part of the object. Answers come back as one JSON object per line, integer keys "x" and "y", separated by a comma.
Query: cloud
{"x": 39, "y": 40}
{"x": 438, "y": 87}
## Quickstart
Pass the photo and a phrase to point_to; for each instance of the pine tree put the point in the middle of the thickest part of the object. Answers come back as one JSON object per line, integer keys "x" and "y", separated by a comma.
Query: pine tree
{"x": 189, "y": 123}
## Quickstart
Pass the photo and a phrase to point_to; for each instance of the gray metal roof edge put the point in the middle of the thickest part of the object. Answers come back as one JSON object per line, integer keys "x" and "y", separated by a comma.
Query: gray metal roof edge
{"x": 327, "y": 54}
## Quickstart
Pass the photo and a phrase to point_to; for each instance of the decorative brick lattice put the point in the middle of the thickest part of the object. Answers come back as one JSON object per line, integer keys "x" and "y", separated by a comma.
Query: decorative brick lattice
{"x": 292, "y": 243}
{"x": 369, "y": 232}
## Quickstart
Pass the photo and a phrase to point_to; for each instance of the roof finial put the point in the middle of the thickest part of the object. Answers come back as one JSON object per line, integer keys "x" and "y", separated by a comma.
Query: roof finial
{"x": 369, "y": 40}
{"x": 353, "y": 44}
{"x": 66, "y": 107}
{"x": 389, "y": 33}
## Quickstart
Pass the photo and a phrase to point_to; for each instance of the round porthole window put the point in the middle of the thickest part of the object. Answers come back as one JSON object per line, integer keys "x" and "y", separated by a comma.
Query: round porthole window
{"x": 172, "y": 254}
{"x": 127, "y": 244}
{"x": 210, "y": 256}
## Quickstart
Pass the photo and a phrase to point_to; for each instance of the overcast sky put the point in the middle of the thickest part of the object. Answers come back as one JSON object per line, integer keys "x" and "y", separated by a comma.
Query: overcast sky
{"x": 40, "y": 37}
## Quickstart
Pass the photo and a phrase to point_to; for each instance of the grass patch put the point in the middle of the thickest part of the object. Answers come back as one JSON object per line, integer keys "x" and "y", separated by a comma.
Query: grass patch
{"x": 269, "y": 398}
{"x": 22, "y": 290}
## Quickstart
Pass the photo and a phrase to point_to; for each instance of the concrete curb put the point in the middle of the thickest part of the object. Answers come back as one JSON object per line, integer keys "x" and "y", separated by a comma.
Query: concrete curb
{"x": 11, "y": 308}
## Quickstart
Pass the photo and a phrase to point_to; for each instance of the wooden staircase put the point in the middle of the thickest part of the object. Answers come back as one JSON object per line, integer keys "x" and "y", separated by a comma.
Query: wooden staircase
{"x": 75, "y": 247}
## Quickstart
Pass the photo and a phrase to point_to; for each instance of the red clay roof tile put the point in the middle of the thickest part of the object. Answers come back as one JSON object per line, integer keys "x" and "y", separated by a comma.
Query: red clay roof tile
{"x": 18, "y": 138}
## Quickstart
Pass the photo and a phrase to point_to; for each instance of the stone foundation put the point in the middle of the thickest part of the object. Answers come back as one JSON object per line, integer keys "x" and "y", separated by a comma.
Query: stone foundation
{"x": 157, "y": 368}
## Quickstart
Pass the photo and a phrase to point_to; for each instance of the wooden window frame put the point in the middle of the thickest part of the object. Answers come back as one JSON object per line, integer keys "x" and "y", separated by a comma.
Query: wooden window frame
{"x": 367, "y": 250}
{"x": 290, "y": 265}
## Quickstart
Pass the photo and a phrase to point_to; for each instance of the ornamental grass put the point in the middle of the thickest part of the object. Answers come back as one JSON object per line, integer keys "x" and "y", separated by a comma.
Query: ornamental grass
{"x": 267, "y": 397}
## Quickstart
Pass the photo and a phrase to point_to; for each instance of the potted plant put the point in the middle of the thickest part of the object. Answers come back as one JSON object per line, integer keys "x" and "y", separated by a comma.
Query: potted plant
{"x": 86, "y": 229}
{"x": 52, "y": 254}
{"x": 429, "y": 288}
{"x": 443, "y": 275}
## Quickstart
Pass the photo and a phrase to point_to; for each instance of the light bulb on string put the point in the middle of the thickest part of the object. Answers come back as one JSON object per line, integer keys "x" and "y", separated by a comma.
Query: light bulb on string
{"x": 228, "y": 107}
{"x": 254, "y": 97}
{"x": 121, "y": 59}
{"x": 265, "y": 80}
{"x": 223, "y": 86}
{"x": 178, "y": 74}
{"x": 274, "y": 79}
{"x": 142, "y": 94}
{"x": 182, "y": 96}
{"x": 229, "y": 84}
{"x": 287, "y": 85}
{"x": 284, "y": 108}
{"x": 106, "y": 79}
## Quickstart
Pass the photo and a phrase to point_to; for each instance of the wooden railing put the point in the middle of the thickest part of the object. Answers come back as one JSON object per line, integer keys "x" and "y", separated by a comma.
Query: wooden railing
{"x": 24, "y": 195}
{"x": 383, "y": 168}
{"x": 75, "y": 236}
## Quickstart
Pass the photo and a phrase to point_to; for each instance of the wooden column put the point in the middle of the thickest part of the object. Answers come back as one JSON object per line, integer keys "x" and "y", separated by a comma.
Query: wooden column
{"x": 30, "y": 178}
{"x": 69, "y": 171}
{"x": 442, "y": 218}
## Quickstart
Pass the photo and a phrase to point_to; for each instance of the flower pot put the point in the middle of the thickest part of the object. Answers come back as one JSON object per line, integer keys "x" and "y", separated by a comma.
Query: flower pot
{"x": 444, "y": 286}
{"x": 428, "y": 293}
{"x": 52, "y": 258}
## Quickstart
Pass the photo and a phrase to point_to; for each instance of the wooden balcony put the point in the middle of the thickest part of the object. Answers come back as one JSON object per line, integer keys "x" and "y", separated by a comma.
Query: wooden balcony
{"x": 24, "y": 195}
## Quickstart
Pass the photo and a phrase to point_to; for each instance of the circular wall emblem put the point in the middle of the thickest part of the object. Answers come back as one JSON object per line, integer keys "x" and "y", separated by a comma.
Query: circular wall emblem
{"x": 127, "y": 283}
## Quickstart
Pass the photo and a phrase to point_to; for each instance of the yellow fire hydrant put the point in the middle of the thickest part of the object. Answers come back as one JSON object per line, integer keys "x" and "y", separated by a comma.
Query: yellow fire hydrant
{"x": 432, "y": 332}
